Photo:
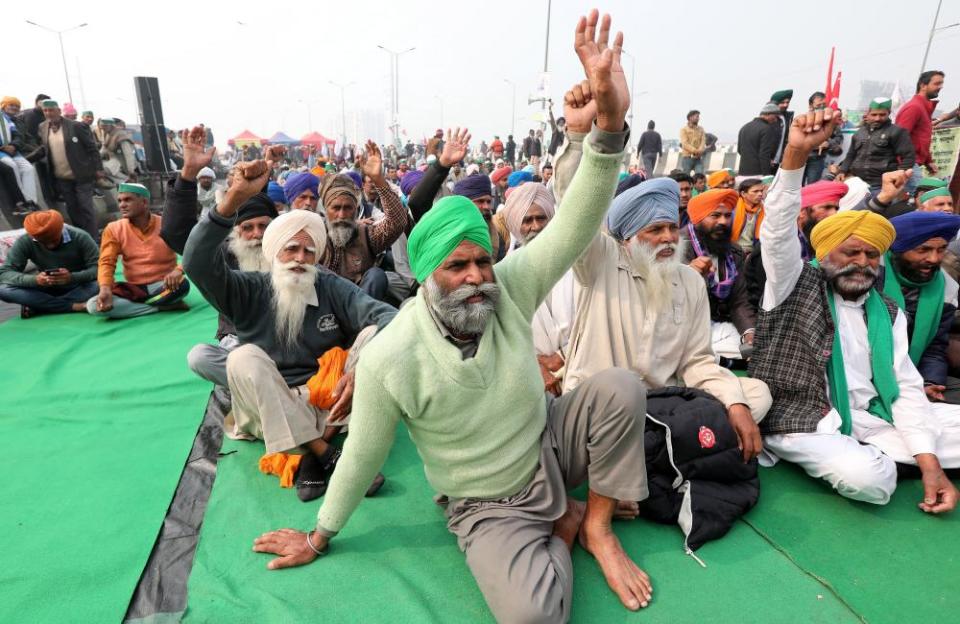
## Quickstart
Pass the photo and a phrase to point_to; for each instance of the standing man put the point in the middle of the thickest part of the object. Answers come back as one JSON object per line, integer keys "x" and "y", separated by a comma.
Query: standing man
{"x": 878, "y": 146}
{"x": 693, "y": 142}
{"x": 833, "y": 146}
{"x": 758, "y": 142}
{"x": 915, "y": 117}
{"x": 782, "y": 100}
{"x": 87, "y": 118}
{"x": 73, "y": 156}
{"x": 496, "y": 148}
{"x": 510, "y": 151}
{"x": 557, "y": 133}
{"x": 650, "y": 148}
{"x": 33, "y": 117}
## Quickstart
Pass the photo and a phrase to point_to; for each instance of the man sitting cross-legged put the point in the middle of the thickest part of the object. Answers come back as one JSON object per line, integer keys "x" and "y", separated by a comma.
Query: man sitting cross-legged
{"x": 66, "y": 261}
{"x": 467, "y": 352}
{"x": 285, "y": 320}
{"x": 848, "y": 404}
{"x": 154, "y": 282}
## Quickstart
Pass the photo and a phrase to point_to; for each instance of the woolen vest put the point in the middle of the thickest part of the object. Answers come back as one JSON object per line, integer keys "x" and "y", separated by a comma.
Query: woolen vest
{"x": 791, "y": 348}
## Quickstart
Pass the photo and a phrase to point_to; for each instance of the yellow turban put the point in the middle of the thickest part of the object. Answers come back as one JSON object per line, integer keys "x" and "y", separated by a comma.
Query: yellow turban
{"x": 868, "y": 226}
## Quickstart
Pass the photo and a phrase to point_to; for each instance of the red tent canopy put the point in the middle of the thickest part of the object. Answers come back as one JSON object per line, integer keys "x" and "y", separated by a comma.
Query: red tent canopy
{"x": 315, "y": 138}
{"x": 246, "y": 138}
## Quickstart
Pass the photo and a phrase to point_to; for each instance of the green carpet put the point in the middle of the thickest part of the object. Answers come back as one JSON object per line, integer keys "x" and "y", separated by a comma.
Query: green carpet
{"x": 98, "y": 418}
{"x": 890, "y": 564}
{"x": 396, "y": 562}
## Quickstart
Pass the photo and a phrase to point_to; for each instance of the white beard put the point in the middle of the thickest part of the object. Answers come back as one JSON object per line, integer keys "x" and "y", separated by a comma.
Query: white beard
{"x": 291, "y": 292}
{"x": 660, "y": 272}
{"x": 249, "y": 254}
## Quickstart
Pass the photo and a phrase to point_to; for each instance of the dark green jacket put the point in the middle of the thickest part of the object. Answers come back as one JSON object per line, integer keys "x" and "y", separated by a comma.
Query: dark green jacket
{"x": 78, "y": 254}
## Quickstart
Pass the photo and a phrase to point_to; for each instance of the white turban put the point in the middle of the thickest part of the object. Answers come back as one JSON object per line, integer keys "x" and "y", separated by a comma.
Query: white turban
{"x": 207, "y": 172}
{"x": 521, "y": 199}
{"x": 286, "y": 226}
{"x": 858, "y": 189}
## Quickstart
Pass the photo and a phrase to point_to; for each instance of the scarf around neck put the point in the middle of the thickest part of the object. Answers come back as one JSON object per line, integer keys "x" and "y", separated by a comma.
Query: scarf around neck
{"x": 718, "y": 288}
{"x": 740, "y": 219}
{"x": 880, "y": 339}
{"x": 926, "y": 320}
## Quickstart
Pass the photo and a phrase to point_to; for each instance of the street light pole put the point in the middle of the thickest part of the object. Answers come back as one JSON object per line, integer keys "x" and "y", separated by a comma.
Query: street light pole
{"x": 63, "y": 55}
{"x": 343, "y": 110}
{"x": 395, "y": 88}
{"x": 513, "y": 106}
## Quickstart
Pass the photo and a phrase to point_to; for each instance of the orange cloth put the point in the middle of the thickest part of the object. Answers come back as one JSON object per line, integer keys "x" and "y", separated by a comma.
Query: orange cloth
{"x": 146, "y": 258}
{"x": 740, "y": 219}
{"x": 284, "y": 465}
{"x": 708, "y": 201}
{"x": 324, "y": 382}
{"x": 716, "y": 178}
{"x": 46, "y": 226}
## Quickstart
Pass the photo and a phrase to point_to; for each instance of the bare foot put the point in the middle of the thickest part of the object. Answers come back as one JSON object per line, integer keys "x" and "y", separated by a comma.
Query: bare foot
{"x": 628, "y": 582}
{"x": 568, "y": 526}
{"x": 626, "y": 510}
{"x": 78, "y": 307}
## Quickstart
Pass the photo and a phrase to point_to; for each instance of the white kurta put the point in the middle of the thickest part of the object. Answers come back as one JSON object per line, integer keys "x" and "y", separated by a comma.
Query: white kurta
{"x": 857, "y": 471}
{"x": 553, "y": 320}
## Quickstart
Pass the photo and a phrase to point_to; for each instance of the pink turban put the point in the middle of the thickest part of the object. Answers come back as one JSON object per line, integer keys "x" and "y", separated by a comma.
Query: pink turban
{"x": 520, "y": 200}
{"x": 822, "y": 192}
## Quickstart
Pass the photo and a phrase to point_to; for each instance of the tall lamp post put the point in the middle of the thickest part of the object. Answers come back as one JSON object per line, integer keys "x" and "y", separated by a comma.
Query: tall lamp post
{"x": 933, "y": 31}
{"x": 63, "y": 55}
{"x": 513, "y": 105}
{"x": 395, "y": 87}
{"x": 343, "y": 110}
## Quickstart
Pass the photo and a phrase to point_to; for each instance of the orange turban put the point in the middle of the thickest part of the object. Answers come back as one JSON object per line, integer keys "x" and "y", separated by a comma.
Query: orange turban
{"x": 46, "y": 226}
{"x": 717, "y": 177}
{"x": 708, "y": 201}
{"x": 8, "y": 100}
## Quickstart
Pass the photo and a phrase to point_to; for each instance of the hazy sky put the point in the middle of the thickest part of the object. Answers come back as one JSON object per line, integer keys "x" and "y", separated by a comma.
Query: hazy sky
{"x": 724, "y": 58}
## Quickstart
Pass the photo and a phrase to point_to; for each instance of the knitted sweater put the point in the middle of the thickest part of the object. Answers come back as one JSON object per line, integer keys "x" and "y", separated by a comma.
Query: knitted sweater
{"x": 476, "y": 422}
{"x": 146, "y": 257}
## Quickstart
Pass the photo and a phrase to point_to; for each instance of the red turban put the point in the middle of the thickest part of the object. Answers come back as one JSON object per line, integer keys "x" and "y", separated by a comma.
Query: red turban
{"x": 500, "y": 174}
{"x": 46, "y": 226}
{"x": 822, "y": 192}
{"x": 708, "y": 201}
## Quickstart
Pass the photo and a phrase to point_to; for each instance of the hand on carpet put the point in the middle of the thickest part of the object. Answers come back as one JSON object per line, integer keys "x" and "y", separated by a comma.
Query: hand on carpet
{"x": 291, "y": 547}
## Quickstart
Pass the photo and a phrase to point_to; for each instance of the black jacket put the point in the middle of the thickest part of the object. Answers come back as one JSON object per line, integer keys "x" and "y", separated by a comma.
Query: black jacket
{"x": 650, "y": 143}
{"x": 691, "y": 453}
{"x": 32, "y": 118}
{"x": 757, "y": 145}
{"x": 876, "y": 151}
{"x": 82, "y": 152}
{"x": 736, "y": 307}
{"x": 933, "y": 364}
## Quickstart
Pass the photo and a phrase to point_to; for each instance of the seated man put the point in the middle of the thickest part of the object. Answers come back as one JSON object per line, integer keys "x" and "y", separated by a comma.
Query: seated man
{"x": 285, "y": 320}
{"x": 467, "y": 351}
{"x": 66, "y": 261}
{"x": 848, "y": 404}
{"x": 924, "y": 185}
{"x": 748, "y": 215}
{"x": 154, "y": 282}
{"x": 712, "y": 254}
{"x": 640, "y": 307}
{"x": 937, "y": 200}
{"x": 301, "y": 191}
{"x": 355, "y": 248}
{"x": 914, "y": 279}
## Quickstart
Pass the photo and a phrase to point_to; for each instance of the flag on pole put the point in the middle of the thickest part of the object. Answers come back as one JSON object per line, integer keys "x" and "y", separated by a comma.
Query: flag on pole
{"x": 834, "y": 101}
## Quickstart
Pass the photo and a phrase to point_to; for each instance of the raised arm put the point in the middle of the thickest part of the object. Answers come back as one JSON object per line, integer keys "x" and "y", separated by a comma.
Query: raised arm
{"x": 180, "y": 204}
{"x": 780, "y": 245}
{"x": 388, "y": 229}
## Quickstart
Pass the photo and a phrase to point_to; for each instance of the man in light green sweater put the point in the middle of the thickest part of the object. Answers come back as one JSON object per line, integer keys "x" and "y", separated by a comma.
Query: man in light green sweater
{"x": 467, "y": 352}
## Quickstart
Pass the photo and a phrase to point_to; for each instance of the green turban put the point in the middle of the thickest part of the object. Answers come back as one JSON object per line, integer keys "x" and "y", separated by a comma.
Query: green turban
{"x": 931, "y": 183}
{"x": 137, "y": 189}
{"x": 881, "y": 102}
{"x": 779, "y": 96}
{"x": 937, "y": 192}
{"x": 451, "y": 221}
{"x": 49, "y": 104}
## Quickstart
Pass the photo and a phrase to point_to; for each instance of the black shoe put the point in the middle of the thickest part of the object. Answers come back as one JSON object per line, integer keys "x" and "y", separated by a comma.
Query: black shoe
{"x": 378, "y": 482}
{"x": 26, "y": 312}
{"x": 313, "y": 475}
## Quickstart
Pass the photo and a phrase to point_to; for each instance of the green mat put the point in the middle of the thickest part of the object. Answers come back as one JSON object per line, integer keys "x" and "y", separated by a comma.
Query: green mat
{"x": 396, "y": 562}
{"x": 98, "y": 418}
{"x": 890, "y": 564}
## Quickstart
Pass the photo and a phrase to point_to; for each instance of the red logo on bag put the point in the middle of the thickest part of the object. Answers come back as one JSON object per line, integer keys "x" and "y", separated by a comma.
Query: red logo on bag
{"x": 707, "y": 439}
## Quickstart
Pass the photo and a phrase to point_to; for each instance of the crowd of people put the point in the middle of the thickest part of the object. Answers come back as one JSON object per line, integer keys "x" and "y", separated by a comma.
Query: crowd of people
{"x": 529, "y": 315}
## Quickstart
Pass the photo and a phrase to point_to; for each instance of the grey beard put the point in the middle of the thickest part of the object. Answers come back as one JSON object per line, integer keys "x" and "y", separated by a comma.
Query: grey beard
{"x": 461, "y": 318}
{"x": 341, "y": 232}
{"x": 290, "y": 293}
{"x": 249, "y": 254}
{"x": 659, "y": 284}
{"x": 851, "y": 281}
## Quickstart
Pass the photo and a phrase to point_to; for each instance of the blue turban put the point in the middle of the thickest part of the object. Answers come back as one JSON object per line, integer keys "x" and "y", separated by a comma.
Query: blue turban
{"x": 473, "y": 186}
{"x": 356, "y": 177}
{"x": 628, "y": 182}
{"x": 653, "y": 201}
{"x": 299, "y": 183}
{"x": 275, "y": 193}
{"x": 916, "y": 228}
{"x": 410, "y": 181}
{"x": 519, "y": 177}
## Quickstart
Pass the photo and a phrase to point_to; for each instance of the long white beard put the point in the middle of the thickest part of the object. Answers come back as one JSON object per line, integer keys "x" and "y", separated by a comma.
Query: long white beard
{"x": 462, "y": 318}
{"x": 249, "y": 254}
{"x": 659, "y": 271}
{"x": 291, "y": 291}
{"x": 341, "y": 232}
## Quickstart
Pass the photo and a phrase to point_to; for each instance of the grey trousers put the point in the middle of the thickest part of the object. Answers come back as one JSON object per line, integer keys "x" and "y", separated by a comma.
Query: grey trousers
{"x": 594, "y": 433}
{"x": 210, "y": 361}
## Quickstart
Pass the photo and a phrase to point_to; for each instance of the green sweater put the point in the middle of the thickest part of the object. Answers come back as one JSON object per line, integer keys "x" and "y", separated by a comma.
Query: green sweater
{"x": 78, "y": 255}
{"x": 476, "y": 422}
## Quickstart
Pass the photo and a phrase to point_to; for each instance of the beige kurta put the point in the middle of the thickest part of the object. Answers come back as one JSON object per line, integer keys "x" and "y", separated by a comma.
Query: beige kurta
{"x": 614, "y": 326}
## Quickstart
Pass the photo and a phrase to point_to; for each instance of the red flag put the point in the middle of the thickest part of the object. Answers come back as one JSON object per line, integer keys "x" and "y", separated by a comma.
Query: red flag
{"x": 835, "y": 93}
{"x": 828, "y": 91}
